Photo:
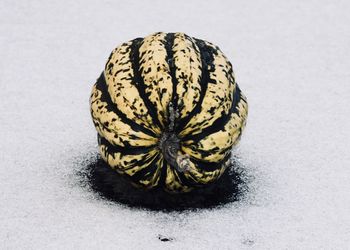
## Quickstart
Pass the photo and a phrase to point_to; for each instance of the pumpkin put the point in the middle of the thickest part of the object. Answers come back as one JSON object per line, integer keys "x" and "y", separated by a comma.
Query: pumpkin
{"x": 168, "y": 111}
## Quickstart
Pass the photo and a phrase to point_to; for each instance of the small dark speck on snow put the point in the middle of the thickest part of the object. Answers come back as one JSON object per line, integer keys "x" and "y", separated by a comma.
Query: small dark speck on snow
{"x": 164, "y": 238}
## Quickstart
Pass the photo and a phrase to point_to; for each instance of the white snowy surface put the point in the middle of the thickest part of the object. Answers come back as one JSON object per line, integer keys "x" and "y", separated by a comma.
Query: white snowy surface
{"x": 291, "y": 59}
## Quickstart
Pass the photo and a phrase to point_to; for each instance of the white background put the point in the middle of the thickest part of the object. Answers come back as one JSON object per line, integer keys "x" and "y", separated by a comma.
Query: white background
{"x": 291, "y": 59}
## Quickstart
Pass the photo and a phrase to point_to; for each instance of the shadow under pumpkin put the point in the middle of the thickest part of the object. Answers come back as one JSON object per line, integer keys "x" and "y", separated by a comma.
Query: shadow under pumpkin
{"x": 114, "y": 187}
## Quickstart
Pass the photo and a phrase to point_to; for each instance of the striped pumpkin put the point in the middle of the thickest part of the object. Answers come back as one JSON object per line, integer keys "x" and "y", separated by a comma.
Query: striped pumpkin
{"x": 168, "y": 111}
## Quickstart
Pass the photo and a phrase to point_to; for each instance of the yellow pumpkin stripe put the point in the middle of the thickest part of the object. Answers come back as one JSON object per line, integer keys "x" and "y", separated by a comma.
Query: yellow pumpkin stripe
{"x": 188, "y": 63}
{"x": 173, "y": 182}
{"x": 155, "y": 72}
{"x": 119, "y": 76}
{"x": 200, "y": 176}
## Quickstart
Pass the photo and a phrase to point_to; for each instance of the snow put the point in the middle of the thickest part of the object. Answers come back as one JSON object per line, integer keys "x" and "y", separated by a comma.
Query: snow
{"x": 291, "y": 59}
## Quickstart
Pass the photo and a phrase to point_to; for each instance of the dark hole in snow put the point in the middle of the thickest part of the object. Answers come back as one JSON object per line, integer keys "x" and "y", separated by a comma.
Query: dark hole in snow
{"x": 164, "y": 238}
{"x": 96, "y": 174}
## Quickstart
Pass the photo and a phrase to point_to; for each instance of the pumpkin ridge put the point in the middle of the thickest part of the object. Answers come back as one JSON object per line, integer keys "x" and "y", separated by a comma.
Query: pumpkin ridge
{"x": 130, "y": 150}
{"x": 205, "y": 78}
{"x": 138, "y": 81}
{"x": 218, "y": 97}
{"x": 142, "y": 164}
{"x": 143, "y": 173}
{"x": 188, "y": 64}
{"x": 101, "y": 85}
{"x": 219, "y": 123}
{"x": 122, "y": 91}
{"x": 156, "y": 73}
{"x": 210, "y": 166}
{"x": 187, "y": 181}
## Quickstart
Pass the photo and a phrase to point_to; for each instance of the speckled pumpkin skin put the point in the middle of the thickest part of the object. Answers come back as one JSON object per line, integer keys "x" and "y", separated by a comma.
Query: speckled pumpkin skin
{"x": 168, "y": 111}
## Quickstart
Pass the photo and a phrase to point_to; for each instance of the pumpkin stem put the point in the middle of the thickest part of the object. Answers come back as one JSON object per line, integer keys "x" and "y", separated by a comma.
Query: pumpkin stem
{"x": 183, "y": 162}
{"x": 170, "y": 146}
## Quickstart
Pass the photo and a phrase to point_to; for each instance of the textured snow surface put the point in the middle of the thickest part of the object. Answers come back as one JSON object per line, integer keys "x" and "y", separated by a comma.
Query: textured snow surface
{"x": 291, "y": 59}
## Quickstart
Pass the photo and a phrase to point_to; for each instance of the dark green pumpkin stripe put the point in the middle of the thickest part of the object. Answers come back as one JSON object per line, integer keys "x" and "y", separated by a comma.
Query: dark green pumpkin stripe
{"x": 206, "y": 153}
{"x": 101, "y": 85}
{"x": 219, "y": 123}
{"x": 169, "y": 43}
{"x": 151, "y": 168}
{"x": 130, "y": 150}
{"x": 139, "y": 82}
{"x": 207, "y": 59}
{"x": 162, "y": 177}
